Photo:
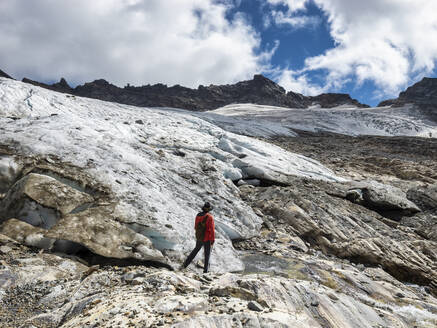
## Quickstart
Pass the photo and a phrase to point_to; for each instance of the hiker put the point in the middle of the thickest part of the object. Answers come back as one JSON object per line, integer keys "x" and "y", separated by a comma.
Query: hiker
{"x": 205, "y": 236}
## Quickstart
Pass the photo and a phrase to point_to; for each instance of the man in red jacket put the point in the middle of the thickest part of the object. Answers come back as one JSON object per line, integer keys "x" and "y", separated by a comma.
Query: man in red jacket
{"x": 205, "y": 236}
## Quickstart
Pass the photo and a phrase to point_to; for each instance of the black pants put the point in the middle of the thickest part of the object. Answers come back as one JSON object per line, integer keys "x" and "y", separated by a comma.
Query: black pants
{"x": 207, "y": 251}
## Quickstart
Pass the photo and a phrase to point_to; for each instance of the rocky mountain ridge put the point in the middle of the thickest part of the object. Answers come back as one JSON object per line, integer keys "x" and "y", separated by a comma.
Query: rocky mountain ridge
{"x": 260, "y": 90}
{"x": 422, "y": 94}
{"x": 3, "y": 74}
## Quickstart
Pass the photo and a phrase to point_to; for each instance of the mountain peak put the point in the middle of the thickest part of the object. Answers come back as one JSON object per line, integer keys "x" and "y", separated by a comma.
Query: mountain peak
{"x": 3, "y": 74}
{"x": 423, "y": 95}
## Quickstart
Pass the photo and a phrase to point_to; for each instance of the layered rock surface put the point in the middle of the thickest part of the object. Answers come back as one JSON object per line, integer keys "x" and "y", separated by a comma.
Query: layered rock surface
{"x": 318, "y": 214}
{"x": 46, "y": 290}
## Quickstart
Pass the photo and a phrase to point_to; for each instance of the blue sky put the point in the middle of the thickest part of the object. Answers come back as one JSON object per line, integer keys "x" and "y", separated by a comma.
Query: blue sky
{"x": 295, "y": 44}
{"x": 370, "y": 49}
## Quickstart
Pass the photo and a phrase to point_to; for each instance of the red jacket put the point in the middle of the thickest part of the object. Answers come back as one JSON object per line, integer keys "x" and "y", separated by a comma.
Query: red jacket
{"x": 210, "y": 228}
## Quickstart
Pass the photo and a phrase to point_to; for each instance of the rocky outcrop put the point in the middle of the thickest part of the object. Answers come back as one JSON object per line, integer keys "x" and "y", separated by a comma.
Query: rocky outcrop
{"x": 424, "y": 224}
{"x": 424, "y": 196}
{"x": 423, "y": 92}
{"x": 329, "y": 100}
{"x": 260, "y": 90}
{"x": 47, "y": 290}
{"x": 385, "y": 199}
{"x": 423, "y": 95}
{"x": 321, "y": 215}
{"x": 3, "y": 74}
{"x": 61, "y": 86}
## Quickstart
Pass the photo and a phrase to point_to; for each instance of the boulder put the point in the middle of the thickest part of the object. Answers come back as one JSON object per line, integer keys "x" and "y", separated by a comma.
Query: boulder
{"x": 254, "y": 306}
{"x": 380, "y": 197}
{"x": 97, "y": 229}
{"x": 41, "y": 200}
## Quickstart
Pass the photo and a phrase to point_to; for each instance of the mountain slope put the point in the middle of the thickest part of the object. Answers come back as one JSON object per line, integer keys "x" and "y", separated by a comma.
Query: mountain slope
{"x": 259, "y": 90}
{"x": 3, "y": 74}
{"x": 162, "y": 164}
{"x": 422, "y": 95}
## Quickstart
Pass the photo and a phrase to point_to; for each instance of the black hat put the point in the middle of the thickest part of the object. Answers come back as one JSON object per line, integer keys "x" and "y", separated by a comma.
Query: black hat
{"x": 207, "y": 207}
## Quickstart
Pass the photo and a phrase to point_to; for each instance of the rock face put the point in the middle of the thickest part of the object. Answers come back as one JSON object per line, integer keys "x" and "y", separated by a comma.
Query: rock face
{"x": 259, "y": 90}
{"x": 329, "y": 100}
{"x": 321, "y": 215}
{"x": 424, "y": 196}
{"x": 422, "y": 94}
{"x": 3, "y": 74}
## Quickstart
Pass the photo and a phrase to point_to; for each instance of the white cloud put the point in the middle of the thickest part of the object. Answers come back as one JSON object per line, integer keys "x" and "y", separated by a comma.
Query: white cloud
{"x": 293, "y": 16}
{"x": 189, "y": 42}
{"x": 298, "y": 82}
{"x": 389, "y": 42}
{"x": 293, "y": 5}
{"x": 281, "y": 18}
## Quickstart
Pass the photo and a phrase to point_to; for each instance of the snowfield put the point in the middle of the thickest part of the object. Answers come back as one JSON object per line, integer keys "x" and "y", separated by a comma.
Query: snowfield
{"x": 162, "y": 163}
{"x": 259, "y": 120}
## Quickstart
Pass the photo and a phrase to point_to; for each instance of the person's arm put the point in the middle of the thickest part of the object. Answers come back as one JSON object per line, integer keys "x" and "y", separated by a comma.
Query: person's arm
{"x": 210, "y": 230}
{"x": 196, "y": 222}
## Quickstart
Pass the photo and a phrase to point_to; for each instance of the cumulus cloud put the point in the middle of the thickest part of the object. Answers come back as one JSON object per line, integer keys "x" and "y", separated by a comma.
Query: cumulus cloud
{"x": 388, "y": 42}
{"x": 189, "y": 42}
{"x": 298, "y": 82}
{"x": 293, "y": 16}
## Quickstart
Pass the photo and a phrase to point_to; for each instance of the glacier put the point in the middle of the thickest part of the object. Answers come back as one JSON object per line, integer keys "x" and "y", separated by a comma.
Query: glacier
{"x": 261, "y": 120}
{"x": 162, "y": 163}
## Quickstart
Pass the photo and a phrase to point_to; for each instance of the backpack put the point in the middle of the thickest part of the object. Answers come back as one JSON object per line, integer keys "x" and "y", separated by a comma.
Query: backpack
{"x": 201, "y": 229}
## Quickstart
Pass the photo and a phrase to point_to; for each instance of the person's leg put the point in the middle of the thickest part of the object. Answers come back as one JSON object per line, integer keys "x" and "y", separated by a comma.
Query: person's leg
{"x": 207, "y": 251}
{"x": 193, "y": 253}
